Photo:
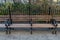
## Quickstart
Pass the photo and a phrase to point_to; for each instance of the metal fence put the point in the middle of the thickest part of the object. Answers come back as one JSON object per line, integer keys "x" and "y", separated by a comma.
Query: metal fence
{"x": 39, "y": 11}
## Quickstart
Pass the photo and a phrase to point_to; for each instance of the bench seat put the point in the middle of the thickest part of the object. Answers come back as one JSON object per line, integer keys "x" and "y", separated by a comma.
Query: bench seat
{"x": 2, "y": 25}
{"x": 20, "y": 25}
{"x": 33, "y": 25}
{"x": 43, "y": 26}
{"x": 58, "y": 26}
{"x": 29, "y": 26}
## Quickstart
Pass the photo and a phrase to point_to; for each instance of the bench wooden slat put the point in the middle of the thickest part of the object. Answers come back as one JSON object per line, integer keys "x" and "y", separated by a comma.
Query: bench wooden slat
{"x": 2, "y": 25}
{"x": 42, "y": 26}
{"x": 20, "y": 25}
{"x": 34, "y": 25}
{"x": 58, "y": 26}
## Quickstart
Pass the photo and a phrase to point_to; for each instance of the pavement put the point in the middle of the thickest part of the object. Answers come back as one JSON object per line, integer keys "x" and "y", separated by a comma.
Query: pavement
{"x": 25, "y": 35}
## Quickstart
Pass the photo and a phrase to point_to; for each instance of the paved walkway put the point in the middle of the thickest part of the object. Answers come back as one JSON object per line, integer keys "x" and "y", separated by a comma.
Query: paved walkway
{"x": 24, "y": 35}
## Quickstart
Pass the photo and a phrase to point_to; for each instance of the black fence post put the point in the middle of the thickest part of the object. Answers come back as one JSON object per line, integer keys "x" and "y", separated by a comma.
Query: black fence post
{"x": 49, "y": 10}
{"x": 10, "y": 19}
{"x": 10, "y": 14}
{"x": 30, "y": 19}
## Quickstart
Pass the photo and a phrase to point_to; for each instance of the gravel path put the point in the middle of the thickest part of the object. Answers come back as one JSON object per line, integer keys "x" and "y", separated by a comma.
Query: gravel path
{"x": 24, "y": 35}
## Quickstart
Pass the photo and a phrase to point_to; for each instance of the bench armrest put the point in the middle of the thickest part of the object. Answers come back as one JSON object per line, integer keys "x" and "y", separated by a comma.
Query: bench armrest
{"x": 54, "y": 22}
{"x": 7, "y": 22}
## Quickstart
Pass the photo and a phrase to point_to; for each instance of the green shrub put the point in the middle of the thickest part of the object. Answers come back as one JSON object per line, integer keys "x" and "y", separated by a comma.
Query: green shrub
{"x": 22, "y": 8}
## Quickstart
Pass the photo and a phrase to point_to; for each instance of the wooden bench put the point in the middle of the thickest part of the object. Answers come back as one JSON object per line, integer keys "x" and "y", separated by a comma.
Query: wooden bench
{"x": 28, "y": 26}
{"x": 31, "y": 27}
{"x": 18, "y": 18}
{"x": 33, "y": 17}
{"x": 3, "y": 17}
{"x": 57, "y": 17}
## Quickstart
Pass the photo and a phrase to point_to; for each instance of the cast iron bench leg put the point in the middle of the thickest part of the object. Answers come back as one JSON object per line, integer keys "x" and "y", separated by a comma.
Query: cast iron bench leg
{"x": 54, "y": 31}
{"x": 10, "y": 30}
{"x": 31, "y": 28}
{"x": 31, "y": 31}
{"x": 7, "y": 30}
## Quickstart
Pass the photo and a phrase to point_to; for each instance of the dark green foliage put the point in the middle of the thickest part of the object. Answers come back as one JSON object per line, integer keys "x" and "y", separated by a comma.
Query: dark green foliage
{"x": 22, "y": 8}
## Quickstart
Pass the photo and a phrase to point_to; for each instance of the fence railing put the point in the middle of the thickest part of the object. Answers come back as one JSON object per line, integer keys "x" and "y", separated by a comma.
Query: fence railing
{"x": 24, "y": 12}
